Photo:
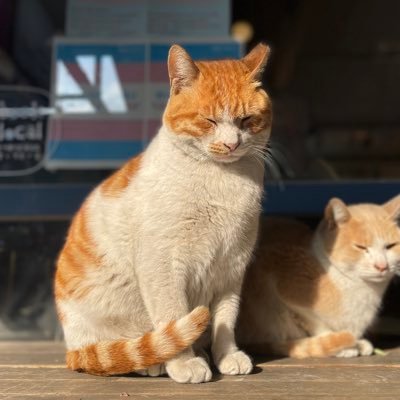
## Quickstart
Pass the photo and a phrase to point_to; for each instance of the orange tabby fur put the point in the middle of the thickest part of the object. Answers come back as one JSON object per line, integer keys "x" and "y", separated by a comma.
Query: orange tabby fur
{"x": 78, "y": 254}
{"x": 77, "y": 258}
{"x": 141, "y": 234}
{"x": 188, "y": 112}
{"x": 124, "y": 356}
{"x": 284, "y": 247}
{"x": 119, "y": 180}
{"x": 318, "y": 346}
{"x": 313, "y": 294}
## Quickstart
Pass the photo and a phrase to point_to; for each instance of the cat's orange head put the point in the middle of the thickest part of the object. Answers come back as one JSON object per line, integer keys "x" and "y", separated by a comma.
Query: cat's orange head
{"x": 363, "y": 239}
{"x": 218, "y": 108}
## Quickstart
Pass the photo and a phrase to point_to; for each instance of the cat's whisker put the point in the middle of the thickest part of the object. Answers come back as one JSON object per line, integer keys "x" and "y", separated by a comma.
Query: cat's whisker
{"x": 259, "y": 161}
{"x": 261, "y": 154}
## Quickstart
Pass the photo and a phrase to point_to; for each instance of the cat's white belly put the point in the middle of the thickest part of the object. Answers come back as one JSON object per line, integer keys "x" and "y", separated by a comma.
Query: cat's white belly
{"x": 207, "y": 221}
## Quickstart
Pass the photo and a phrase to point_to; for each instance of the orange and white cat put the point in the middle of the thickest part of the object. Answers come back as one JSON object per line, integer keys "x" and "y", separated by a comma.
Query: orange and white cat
{"x": 172, "y": 230}
{"x": 315, "y": 294}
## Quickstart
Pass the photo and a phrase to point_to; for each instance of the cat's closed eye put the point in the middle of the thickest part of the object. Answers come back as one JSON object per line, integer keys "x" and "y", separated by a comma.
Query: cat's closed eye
{"x": 242, "y": 121}
{"x": 361, "y": 247}
{"x": 390, "y": 245}
{"x": 213, "y": 121}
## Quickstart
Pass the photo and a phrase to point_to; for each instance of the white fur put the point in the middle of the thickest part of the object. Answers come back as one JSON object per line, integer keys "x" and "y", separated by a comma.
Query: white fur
{"x": 358, "y": 288}
{"x": 361, "y": 289}
{"x": 180, "y": 235}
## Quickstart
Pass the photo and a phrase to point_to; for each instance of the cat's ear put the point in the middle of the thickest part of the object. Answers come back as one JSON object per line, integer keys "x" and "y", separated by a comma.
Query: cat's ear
{"x": 256, "y": 60}
{"x": 393, "y": 208}
{"x": 336, "y": 212}
{"x": 182, "y": 70}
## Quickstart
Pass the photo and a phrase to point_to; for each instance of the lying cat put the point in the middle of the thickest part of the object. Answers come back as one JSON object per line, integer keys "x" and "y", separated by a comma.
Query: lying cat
{"x": 173, "y": 229}
{"x": 315, "y": 294}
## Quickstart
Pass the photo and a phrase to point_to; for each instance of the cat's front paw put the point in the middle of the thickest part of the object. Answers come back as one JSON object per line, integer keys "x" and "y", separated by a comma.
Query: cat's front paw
{"x": 348, "y": 353}
{"x": 237, "y": 363}
{"x": 365, "y": 347}
{"x": 193, "y": 370}
{"x": 154, "y": 370}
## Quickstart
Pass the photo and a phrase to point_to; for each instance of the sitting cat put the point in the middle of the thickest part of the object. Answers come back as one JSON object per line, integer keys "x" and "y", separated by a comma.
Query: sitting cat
{"x": 172, "y": 230}
{"x": 315, "y": 294}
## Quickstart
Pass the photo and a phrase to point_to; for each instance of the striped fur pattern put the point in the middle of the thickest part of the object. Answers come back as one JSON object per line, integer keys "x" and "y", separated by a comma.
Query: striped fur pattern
{"x": 114, "y": 357}
{"x": 172, "y": 230}
{"x": 314, "y": 294}
{"x": 325, "y": 345}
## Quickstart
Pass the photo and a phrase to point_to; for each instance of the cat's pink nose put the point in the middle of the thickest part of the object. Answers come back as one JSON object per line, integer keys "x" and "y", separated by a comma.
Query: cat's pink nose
{"x": 381, "y": 267}
{"x": 232, "y": 146}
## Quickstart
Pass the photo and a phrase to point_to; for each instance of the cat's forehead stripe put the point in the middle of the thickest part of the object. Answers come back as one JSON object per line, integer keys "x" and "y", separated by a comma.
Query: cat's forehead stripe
{"x": 224, "y": 91}
{"x": 371, "y": 225}
{"x": 227, "y": 85}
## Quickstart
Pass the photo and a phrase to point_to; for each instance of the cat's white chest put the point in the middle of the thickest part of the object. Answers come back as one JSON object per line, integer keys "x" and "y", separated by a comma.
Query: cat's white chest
{"x": 358, "y": 308}
{"x": 205, "y": 216}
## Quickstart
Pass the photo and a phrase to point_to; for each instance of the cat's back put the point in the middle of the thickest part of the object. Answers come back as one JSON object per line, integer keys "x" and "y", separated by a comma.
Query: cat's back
{"x": 281, "y": 241}
{"x": 283, "y": 265}
{"x": 283, "y": 244}
{"x": 284, "y": 230}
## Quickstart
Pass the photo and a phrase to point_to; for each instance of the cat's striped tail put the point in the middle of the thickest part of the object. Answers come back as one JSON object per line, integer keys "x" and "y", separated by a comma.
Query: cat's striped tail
{"x": 325, "y": 345}
{"x": 130, "y": 355}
